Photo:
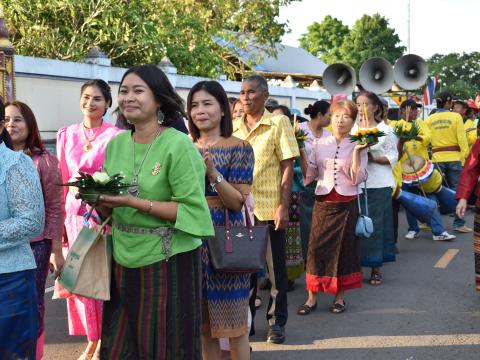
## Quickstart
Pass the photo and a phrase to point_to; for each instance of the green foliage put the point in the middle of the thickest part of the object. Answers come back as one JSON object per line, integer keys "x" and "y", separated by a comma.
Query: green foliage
{"x": 332, "y": 41}
{"x": 143, "y": 31}
{"x": 325, "y": 39}
{"x": 370, "y": 36}
{"x": 458, "y": 73}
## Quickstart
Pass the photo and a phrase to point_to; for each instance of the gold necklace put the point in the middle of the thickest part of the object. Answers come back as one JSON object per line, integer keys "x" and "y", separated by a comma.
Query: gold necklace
{"x": 88, "y": 140}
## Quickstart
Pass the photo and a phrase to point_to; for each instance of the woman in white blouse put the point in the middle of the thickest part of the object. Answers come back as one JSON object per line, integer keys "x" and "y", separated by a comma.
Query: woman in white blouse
{"x": 382, "y": 157}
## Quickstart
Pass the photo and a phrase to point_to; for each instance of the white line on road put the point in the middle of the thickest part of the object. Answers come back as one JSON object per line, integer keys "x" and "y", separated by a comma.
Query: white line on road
{"x": 49, "y": 289}
{"x": 372, "y": 342}
{"x": 443, "y": 262}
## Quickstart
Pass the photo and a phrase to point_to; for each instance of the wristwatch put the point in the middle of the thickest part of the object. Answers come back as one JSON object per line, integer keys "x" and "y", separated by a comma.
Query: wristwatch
{"x": 217, "y": 181}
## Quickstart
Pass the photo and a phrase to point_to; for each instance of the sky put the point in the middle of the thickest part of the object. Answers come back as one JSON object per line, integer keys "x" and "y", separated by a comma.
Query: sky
{"x": 436, "y": 26}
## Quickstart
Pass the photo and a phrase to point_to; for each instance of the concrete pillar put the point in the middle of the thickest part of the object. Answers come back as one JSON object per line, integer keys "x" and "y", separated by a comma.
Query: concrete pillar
{"x": 169, "y": 69}
{"x": 100, "y": 64}
{"x": 7, "y": 66}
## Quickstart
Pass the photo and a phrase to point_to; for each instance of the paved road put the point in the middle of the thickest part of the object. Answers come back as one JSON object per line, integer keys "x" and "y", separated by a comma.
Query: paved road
{"x": 419, "y": 313}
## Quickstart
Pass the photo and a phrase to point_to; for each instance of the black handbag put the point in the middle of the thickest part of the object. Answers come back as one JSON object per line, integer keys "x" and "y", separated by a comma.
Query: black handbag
{"x": 238, "y": 249}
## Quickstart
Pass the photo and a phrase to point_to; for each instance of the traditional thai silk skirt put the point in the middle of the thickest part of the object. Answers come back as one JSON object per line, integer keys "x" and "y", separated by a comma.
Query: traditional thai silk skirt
{"x": 307, "y": 200}
{"x": 476, "y": 247}
{"x": 293, "y": 240}
{"x": 224, "y": 300}
{"x": 18, "y": 315}
{"x": 380, "y": 246}
{"x": 333, "y": 258}
{"x": 154, "y": 311}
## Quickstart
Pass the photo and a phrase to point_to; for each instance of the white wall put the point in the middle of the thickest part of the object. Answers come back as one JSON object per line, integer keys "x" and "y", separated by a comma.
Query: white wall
{"x": 52, "y": 89}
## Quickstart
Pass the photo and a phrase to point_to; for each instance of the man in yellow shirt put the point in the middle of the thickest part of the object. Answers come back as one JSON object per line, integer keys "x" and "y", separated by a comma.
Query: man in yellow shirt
{"x": 449, "y": 146}
{"x": 275, "y": 148}
{"x": 461, "y": 107}
{"x": 419, "y": 147}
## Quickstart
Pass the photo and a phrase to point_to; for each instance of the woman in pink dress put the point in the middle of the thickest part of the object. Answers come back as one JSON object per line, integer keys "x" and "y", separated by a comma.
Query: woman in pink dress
{"x": 81, "y": 148}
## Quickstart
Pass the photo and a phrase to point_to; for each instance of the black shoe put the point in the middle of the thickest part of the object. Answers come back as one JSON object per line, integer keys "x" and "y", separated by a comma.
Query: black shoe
{"x": 265, "y": 284}
{"x": 290, "y": 285}
{"x": 276, "y": 334}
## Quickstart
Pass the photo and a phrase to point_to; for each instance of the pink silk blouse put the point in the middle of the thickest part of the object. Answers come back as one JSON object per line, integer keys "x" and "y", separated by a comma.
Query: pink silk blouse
{"x": 73, "y": 159}
{"x": 331, "y": 165}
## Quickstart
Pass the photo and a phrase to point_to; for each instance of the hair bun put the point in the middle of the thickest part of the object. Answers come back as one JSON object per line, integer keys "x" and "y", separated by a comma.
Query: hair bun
{"x": 308, "y": 109}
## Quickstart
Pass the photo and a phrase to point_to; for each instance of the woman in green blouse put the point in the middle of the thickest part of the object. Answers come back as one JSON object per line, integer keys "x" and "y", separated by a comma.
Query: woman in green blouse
{"x": 154, "y": 311}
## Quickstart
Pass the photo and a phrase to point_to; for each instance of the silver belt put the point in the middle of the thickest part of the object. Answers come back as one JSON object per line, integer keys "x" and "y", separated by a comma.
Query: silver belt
{"x": 165, "y": 234}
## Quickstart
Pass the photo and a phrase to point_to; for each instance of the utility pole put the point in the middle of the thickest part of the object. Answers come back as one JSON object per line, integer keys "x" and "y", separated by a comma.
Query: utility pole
{"x": 409, "y": 49}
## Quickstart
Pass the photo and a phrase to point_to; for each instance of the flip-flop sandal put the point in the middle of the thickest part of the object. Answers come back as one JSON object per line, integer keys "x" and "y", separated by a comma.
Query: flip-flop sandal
{"x": 338, "y": 308}
{"x": 306, "y": 309}
{"x": 376, "y": 278}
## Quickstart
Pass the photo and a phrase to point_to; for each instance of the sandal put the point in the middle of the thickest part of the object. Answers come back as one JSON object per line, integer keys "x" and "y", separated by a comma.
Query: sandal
{"x": 306, "y": 309}
{"x": 338, "y": 308}
{"x": 258, "y": 302}
{"x": 375, "y": 278}
{"x": 85, "y": 356}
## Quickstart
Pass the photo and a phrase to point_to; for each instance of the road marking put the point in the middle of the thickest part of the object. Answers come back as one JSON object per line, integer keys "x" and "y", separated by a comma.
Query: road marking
{"x": 372, "y": 342}
{"x": 443, "y": 262}
{"x": 49, "y": 289}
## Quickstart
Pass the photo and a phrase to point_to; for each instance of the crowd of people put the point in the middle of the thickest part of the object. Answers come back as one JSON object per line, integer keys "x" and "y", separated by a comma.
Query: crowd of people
{"x": 187, "y": 165}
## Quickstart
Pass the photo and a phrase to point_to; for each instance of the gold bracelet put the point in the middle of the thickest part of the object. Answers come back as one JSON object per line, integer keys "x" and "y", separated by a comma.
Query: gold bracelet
{"x": 150, "y": 207}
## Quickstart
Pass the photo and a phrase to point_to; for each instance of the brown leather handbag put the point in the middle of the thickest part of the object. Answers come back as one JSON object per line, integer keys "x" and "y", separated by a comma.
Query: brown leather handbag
{"x": 238, "y": 249}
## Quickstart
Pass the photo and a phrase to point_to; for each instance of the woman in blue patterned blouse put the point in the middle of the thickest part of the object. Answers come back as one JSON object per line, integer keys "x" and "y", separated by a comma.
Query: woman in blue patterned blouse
{"x": 229, "y": 173}
{"x": 21, "y": 219}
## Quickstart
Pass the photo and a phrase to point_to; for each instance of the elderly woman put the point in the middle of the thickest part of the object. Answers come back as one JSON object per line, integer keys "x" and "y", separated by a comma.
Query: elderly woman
{"x": 338, "y": 165}
{"x": 21, "y": 219}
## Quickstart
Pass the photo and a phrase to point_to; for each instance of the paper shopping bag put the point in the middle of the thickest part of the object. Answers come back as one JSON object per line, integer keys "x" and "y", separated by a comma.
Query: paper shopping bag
{"x": 87, "y": 268}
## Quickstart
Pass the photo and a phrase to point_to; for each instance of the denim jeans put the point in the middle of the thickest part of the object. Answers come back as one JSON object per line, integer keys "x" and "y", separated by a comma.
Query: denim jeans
{"x": 451, "y": 174}
{"x": 436, "y": 221}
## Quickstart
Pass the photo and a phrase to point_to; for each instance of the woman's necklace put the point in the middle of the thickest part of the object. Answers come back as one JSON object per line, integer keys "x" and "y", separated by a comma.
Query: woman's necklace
{"x": 134, "y": 187}
{"x": 88, "y": 140}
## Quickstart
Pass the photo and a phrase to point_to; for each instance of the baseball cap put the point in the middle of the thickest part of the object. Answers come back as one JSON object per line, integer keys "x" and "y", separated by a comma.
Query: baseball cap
{"x": 271, "y": 103}
{"x": 444, "y": 96}
{"x": 410, "y": 103}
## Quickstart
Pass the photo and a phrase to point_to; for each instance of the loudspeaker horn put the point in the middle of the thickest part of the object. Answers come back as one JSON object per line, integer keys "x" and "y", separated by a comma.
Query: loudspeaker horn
{"x": 376, "y": 75}
{"x": 410, "y": 72}
{"x": 339, "y": 78}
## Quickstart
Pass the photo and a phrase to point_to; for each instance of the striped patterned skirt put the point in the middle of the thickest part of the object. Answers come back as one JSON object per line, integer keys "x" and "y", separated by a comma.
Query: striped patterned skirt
{"x": 154, "y": 311}
{"x": 476, "y": 247}
{"x": 293, "y": 240}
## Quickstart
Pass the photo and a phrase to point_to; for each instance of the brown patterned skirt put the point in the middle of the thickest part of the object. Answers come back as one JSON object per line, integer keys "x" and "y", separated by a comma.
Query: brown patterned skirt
{"x": 476, "y": 247}
{"x": 333, "y": 258}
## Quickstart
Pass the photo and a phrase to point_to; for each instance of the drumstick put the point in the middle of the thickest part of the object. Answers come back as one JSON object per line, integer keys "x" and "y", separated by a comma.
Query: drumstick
{"x": 365, "y": 116}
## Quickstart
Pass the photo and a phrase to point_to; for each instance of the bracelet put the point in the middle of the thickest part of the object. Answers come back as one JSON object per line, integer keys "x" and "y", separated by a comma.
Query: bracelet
{"x": 149, "y": 208}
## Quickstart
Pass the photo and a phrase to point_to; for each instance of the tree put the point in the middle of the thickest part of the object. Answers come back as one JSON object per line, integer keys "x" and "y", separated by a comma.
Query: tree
{"x": 141, "y": 31}
{"x": 325, "y": 39}
{"x": 369, "y": 37}
{"x": 458, "y": 73}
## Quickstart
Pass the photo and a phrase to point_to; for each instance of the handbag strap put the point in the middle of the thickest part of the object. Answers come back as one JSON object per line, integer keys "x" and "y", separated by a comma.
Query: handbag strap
{"x": 366, "y": 199}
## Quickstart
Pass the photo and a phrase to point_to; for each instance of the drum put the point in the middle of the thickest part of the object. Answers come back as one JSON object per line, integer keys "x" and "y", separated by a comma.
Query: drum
{"x": 416, "y": 171}
{"x": 433, "y": 183}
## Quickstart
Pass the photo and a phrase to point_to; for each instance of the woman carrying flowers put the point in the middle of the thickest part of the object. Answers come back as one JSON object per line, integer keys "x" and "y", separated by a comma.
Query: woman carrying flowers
{"x": 382, "y": 157}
